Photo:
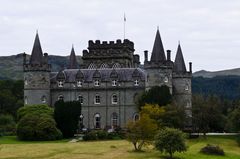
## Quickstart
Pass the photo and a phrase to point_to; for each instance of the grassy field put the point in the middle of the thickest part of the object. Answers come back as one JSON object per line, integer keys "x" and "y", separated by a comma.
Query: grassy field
{"x": 11, "y": 148}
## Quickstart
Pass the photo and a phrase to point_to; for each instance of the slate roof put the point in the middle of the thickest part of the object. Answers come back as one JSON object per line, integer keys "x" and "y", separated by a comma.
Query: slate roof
{"x": 179, "y": 64}
{"x": 158, "y": 54}
{"x": 124, "y": 74}
{"x": 37, "y": 54}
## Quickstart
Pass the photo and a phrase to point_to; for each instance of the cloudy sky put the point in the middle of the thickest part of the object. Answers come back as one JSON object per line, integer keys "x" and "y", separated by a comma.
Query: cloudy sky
{"x": 208, "y": 30}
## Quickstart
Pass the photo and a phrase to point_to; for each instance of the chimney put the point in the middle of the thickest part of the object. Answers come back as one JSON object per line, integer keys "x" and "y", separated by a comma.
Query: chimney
{"x": 190, "y": 67}
{"x": 45, "y": 59}
{"x": 146, "y": 55}
{"x": 168, "y": 55}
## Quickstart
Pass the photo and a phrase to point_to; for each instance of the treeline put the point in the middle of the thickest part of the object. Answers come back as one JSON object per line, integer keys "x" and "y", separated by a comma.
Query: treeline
{"x": 225, "y": 87}
{"x": 11, "y": 96}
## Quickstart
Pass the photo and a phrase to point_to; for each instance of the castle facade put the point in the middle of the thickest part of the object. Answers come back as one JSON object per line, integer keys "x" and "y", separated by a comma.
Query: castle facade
{"x": 108, "y": 80}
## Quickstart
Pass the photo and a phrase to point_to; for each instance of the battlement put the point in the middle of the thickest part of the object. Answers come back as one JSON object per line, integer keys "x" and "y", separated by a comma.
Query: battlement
{"x": 119, "y": 44}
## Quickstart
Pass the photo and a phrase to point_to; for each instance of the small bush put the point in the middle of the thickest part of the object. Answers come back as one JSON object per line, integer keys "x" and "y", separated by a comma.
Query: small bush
{"x": 212, "y": 150}
{"x": 100, "y": 135}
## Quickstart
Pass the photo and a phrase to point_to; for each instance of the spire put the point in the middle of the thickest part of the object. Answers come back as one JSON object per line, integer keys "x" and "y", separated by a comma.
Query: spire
{"x": 73, "y": 60}
{"x": 179, "y": 64}
{"x": 158, "y": 54}
{"x": 37, "y": 54}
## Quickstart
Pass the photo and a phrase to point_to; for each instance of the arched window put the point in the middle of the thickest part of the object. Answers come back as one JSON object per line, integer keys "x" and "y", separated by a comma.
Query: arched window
{"x": 60, "y": 83}
{"x": 166, "y": 79}
{"x": 97, "y": 121}
{"x": 92, "y": 66}
{"x": 114, "y": 119}
{"x": 136, "y": 82}
{"x": 43, "y": 99}
{"x": 79, "y": 83}
{"x": 97, "y": 99}
{"x": 136, "y": 117}
{"x": 81, "y": 122}
{"x": 114, "y": 99}
{"x": 114, "y": 83}
{"x": 186, "y": 87}
{"x": 60, "y": 97}
{"x": 25, "y": 100}
{"x": 96, "y": 83}
{"x": 80, "y": 99}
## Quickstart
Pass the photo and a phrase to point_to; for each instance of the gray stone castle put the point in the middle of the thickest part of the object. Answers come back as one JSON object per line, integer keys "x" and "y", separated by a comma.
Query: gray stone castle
{"x": 108, "y": 80}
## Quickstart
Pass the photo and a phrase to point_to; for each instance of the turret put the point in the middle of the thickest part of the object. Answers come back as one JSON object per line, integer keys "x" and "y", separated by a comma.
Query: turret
{"x": 37, "y": 76}
{"x": 73, "y": 60}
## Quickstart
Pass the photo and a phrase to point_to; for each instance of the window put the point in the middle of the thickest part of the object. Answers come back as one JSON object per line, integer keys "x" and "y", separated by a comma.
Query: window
{"x": 97, "y": 99}
{"x": 79, "y": 83}
{"x": 97, "y": 120}
{"x": 43, "y": 99}
{"x": 81, "y": 122}
{"x": 26, "y": 100}
{"x": 114, "y": 120}
{"x": 26, "y": 81}
{"x": 186, "y": 87}
{"x": 116, "y": 65}
{"x": 96, "y": 83}
{"x": 60, "y": 97}
{"x": 136, "y": 83}
{"x": 136, "y": 117}
{"x": 60, "y": 83}
{"x": 92, "y": 66}
{"x": 114, "y": 83}
{"x": 114, "y": 99}
{"x": 166, "y": 79}
{"x": 80, "y": 99}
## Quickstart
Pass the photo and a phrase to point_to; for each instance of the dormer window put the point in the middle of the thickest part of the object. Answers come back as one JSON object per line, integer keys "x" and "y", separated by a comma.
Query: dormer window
{"x": 136, "y": 83}
{"x": 60, "y": 83}
{"x": 166, "y": 79}
{"x": 79, "y": 83}
{"x": 114, "y": 83}
{"x": 96, "y": 83}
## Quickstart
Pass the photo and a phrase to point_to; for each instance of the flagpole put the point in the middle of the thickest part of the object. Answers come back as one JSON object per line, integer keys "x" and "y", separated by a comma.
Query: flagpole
{"x": 124, "y": 26}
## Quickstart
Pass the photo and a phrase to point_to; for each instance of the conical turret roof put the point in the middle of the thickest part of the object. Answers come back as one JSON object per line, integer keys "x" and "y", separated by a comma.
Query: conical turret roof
{"x": 158, "y": 54}
{"x": 179, "y": 64}
{"x": 37, "y": 54}
{"x": 73, "y": 60}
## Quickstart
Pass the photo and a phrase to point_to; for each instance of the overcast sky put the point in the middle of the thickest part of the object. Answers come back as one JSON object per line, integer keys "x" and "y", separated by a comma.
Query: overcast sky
{"x": 209, "y": 30}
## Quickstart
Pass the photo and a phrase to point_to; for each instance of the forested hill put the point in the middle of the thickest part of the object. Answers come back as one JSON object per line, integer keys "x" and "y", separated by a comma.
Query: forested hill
{"x": 11, "y": 66}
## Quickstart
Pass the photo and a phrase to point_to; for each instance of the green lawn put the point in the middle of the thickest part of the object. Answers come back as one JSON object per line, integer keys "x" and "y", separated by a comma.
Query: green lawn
{"x": 11, "y": 148}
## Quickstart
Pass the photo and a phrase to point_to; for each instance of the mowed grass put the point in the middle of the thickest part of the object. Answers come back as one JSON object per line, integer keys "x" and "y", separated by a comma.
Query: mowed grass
{"x": 11, "y": 148}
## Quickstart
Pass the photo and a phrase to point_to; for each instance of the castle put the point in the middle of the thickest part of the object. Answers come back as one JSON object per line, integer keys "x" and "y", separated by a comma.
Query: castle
{"x": 108, "y": 80}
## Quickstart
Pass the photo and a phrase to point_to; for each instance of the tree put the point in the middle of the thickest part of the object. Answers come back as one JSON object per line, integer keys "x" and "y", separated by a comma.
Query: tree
{"x": 36, "y": 123}
{"x": 156, "y": 95}
{"x": 233, "y": 123}
{"x": 141, "y": 132}
{"x": 67, "y": 115}
{"x": 170, "y": 140}
{"x": 7, "y": 124}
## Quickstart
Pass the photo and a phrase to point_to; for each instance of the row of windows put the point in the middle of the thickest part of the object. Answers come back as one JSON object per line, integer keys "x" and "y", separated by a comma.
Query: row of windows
{"x": 114, "y": 120}
{"x": 103, "y": 66}
{"x": 96, "y": 83}
{"x": 97, "y": 99}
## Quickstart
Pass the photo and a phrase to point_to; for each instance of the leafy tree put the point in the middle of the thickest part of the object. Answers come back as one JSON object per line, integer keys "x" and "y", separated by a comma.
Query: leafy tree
{"x": 67, "y": 115}
{"x": 233, "y": 123}
{"x": 170, "y": 140}
{"x": 156, "y": 95}
{"x": 36, "y": 123}
{"x": 141, "y": 132}
{"x": 7, "y": 125}
{"x": 206, "y": 114}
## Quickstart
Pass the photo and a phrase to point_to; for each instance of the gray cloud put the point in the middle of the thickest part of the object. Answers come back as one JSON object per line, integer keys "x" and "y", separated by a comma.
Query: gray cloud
{"x": 208, "y": 30}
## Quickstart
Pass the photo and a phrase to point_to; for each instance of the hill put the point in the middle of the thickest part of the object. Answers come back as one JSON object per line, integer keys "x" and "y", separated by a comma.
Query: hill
{"x": 11, "y": 66}
{"x": 209, "y": 74}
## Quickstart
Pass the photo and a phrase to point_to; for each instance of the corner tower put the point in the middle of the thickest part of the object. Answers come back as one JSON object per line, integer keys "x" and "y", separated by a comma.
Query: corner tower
{"x": 159, "y": 68}
{"x": 182, "y": 84}
{"x": 36, "y": 76}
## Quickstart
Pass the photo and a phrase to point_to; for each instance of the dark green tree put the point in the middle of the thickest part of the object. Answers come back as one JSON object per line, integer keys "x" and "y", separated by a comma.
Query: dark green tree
{"x": 156, "y": 95}
{"x": 67, "y": 115}
{"x": 170, "y": 140}
{"x": 7, "y": 125}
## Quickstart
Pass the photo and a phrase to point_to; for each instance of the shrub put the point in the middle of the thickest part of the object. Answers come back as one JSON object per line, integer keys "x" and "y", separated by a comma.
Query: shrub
{"x": 32, "y": 127}
{"x": 212, "y": 150}
{"x": 170, "y": 140}
{"x": 100, "y": 135}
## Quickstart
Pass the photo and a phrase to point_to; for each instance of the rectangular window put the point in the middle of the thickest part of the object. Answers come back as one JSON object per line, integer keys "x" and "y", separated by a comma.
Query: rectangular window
{"x": 97, "y": 99}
